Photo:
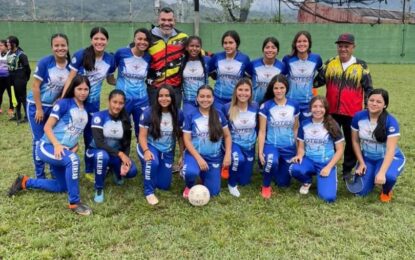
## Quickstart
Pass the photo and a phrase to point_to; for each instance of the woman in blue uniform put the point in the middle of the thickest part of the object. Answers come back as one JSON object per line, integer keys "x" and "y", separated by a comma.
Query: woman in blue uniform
{"x": 278, "y": 125}
{"x": 133, "y": 63}
{"x": 263, "y": 69}
{"x": 227, "y": 68}
{"x": 4, "y": 76}
{"x": 241, "y": 114}
{"x": 49, "y": 79}
{"x": 320, "y": 147}
{"x": 95, "y": 63}
{"x": 204, "y": 131}
{"x": 160, "y": 128}
{"x": 59, "y": 145}
{"x": 375, "y": 135}
{"x": 111, "y": 130}
{"x": 302, "y": 65}
{"x": 194, "y": 71}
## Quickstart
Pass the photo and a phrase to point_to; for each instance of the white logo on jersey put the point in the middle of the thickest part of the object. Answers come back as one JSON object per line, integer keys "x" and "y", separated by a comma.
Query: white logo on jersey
{"x": 97, "y": 120}
{"x": 73, "y": 60}
{"x": 392, "y": 129}
{"x": 56, "y": 108}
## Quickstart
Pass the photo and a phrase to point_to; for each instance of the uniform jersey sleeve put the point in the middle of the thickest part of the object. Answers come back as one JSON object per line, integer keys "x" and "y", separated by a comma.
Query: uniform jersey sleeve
{"x": 187, "y": 126}
{"x": 145, "y": 119}
{"x": 223, "y": 120}
{"x": 76, "y": 61}
{"x": 250, "y": 69}
{"x": 97, "y": 121}
{"x": 263, "y": 110}
{"x": 300, "y": 134}
{"x": 355, "y": 122}
{"x": 112, "y": 68}
{"x": 181, "y": 119}
{"x": 392, "y": 127}
{"x": 41, "y": 70}
{"x": 117, "y": 58}
{"x": 59, "y": 109}
{"x": 296, "y": 109}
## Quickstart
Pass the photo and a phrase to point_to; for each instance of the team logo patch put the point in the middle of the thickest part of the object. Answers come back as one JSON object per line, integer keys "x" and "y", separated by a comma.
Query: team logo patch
{"x": 97, "y": 120}
{"x": 168, "y": 165}
{"x": 262, "y": 106}
{"x": 215, "y": 165}
{"x": 73, "y": 60}
{"x": 392, "y": 129}
{"x": 56, "y": 108}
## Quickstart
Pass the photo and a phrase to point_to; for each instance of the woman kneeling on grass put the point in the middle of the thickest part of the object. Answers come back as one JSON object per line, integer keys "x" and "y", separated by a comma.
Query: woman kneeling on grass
{"x": 203, "y": 132}
{"x": 59, "y": 145}
{"x": 111, "y": 130}
{"x": 375, "y": 135}
{"x": 322, "y": 143}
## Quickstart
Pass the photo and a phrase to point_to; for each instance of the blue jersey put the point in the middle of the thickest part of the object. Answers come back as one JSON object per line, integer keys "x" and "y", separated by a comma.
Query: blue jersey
{"x": 71, "y": 122}
{"x": 280, "y": 123}
{"x": 244, "y": 128}
{"x": 103, "y": 68}
{"x": 228, "y": 72}
{"x": 132, "y": 73}
{"x": 112, "y": 129}
{"x": 194, "y": 76}
{"x": 198, "y": 126}
{"x": 166, "y": 142}
{"x": 301, "y": 76}
{"x": 52, "y": 79}
{"x": 262, "y": 74}
{"x": 371, "y": 148}
{"x": 319, "y": 145}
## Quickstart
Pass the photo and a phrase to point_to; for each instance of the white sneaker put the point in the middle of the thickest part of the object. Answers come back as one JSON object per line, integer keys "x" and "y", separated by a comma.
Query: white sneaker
{"x": 152, "y": 199}
{"x": 305, "y": 188}
{"x": 234, "y": 191}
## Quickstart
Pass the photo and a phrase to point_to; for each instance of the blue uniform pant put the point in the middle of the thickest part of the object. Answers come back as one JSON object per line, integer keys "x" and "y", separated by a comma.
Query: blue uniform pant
{"x": 91, "y": 108}
{"x": 135, "y": 107}
{"x": 210, "y": 178}
{"x": 218, "y": 103}
{"x": 305, "y": 112}
{"x": 326, "y": 186}
{"x": 277, "y": 162}
{"x": 66, "y": 171}
{"x": 157, "y": 173}
{"x": 240, "y": 171}
{"x": 37, "y": 133}
{"x": 102, "y": 160}
{"x": 372, "y": 169}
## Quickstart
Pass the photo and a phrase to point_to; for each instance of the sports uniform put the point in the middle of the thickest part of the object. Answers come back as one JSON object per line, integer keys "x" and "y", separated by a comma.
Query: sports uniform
{"x": 157, "y": 173}
{"x": 226, "y": 72}
{"x": 280, "y": 144}
{"x": 374, "y": 152}
{"x": 197, "y": 125}
{"x": 132, "y": 74}
{"x": 5, "y": 80}
{"x": 319, "y": 149}
{"x": 52, "y": 78}
{"x": 261, "y": 76}
{"x": 244, "y": 133}
{"x": 300, "y": 74}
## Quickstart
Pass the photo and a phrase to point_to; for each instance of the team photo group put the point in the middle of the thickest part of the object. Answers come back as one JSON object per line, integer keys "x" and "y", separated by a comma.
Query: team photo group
{"x": 212, "y": 117}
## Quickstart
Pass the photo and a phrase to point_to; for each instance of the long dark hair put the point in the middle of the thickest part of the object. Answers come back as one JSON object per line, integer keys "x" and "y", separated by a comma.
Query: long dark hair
{"x": 156, "y": 112}
{"x": 294, "y": 51}
{"x": 234, "y": 35}
{"x": 187, "y": 55}
{"x": 329, "y": 123}
{"x": 89, "y": 53}
{"x": 269, "y": 93}
{"x": 61, "y": 35}
{"x": 123, "y": 116}
{"x": 76, "y": 81}
{"x": 380, "y": 131}
{"x": 215, "y": 127}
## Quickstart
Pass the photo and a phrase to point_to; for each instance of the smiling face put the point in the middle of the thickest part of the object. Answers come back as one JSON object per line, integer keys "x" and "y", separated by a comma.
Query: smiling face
{"x": 302, "y": 44}
{"x": 81, "y": 92}
{"x": 243, "y": 93}
{"x": 164, "y": 98}
{"x": 59, "y": 47}
{"x": 141, "y": 42}
{"x": 229, "y": 45}
{"x": 318, "y": 110}
{"x": 166, "y": 22}
{"x": 279, "y": 90}
{"x": 205, "y": 98}
{"x": 99, "y": 42}
{"x": 3, "y": 47}
{"x": 270, "y": 51}
{"x": 345, "y": 51}
{"x": 193, "y": 48}
{"x": 116, "y": 104}
{"x": 376, "y": 104}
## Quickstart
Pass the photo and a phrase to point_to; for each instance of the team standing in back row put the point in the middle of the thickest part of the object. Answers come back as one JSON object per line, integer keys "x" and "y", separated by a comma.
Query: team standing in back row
{"x": 265, "y": 102}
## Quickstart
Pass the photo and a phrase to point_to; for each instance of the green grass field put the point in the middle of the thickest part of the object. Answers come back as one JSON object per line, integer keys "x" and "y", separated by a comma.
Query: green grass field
{"x": 37, "y": 224}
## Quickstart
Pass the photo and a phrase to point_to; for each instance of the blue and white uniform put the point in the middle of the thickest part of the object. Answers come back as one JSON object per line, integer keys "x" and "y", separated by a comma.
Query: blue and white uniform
{"x": 71, "y": 121}
{"x": 261, "y": 76}
{"x": 227, "y": 72}
{"x": 301, "y": 75}
{"x": 132, "y": 74}
{"x": 280, "y": 143}
{"x": 157, "y": 173}
{"x": 319, "y": 150}
{"x": 244, "y": 134}
{"x": 197, "y": 125}
{"x": 374, "y": 152}
{"x": 103, "y": 68}
{"x": 110, "y": 139}
{"x": 194, "y": 75}
{"x": 52, "y": 79}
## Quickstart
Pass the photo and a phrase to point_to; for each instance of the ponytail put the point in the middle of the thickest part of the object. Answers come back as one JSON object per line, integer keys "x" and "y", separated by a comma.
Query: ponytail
{"x": 380, "y": 131}
{"x": 89, "y": 59}
{"x": 215, "y": 127}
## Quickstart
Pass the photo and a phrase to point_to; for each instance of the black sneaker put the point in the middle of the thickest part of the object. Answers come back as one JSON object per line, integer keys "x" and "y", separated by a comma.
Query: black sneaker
{"x": 17, "y": 185}
{"x": 81, "y": 209}
{"x": 347, "y": 176}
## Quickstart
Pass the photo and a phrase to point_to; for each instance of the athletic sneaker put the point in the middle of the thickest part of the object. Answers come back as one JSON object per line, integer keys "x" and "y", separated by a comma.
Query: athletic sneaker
{"x": 81, "y": 209}
{"x": 266, "y": 192}
{"x": 90, "y": 177}
{"x": 152, "y": 199}
{"x": 234, "y": 191}
{"x": 305, "y": 188}
{"x": 186, "y": 193}
{"x": 18, "y": 185}
{"x": 99, "y": 196}
{"x": 386, "y": 197}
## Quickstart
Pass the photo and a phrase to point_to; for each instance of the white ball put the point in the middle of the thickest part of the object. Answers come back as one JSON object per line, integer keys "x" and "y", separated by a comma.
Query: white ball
{"x": 199, "y": 195}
